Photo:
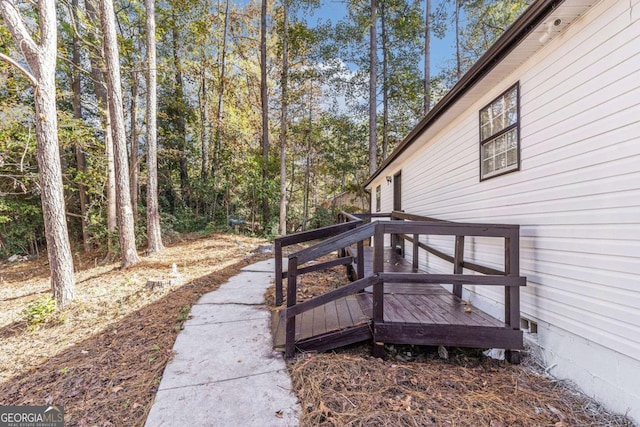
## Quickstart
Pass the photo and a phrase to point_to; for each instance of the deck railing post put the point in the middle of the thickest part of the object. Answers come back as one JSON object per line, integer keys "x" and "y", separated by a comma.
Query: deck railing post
{"x": 378, "y": 288}
{"x": 458, "y": 261}
{"x": 378, "y": 316}
{"x": 416, "y": 247}
{"x": 512, "y": 293}
{"x": 512, "y": 268}
{"x": 360, "y": 260}
{"x": 278, "y": 260}
{"x": 290, "y": 325}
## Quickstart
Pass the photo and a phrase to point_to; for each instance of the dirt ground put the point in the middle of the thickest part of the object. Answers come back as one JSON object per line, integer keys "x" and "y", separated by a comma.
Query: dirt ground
{"x": 103, "y": 358}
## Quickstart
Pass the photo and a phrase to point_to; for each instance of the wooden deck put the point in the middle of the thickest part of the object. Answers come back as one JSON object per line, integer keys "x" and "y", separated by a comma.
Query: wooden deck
{"x": 423, "y": 314}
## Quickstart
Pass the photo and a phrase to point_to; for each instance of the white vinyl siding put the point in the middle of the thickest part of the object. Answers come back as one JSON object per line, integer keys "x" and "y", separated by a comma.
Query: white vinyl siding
{"x": 577, "y": 195}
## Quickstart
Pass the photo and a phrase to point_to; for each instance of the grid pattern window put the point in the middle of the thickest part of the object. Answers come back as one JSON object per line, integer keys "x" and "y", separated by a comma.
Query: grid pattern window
{"x": 500, "y": 134}
{"x": 378, "y": 198}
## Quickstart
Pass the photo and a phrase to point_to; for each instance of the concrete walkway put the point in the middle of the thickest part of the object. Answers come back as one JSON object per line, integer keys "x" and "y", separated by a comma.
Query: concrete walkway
{"x": 225, "y": 372}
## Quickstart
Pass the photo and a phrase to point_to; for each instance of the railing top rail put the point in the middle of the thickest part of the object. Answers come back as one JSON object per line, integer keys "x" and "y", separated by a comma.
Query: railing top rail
{"x": 334, "y": 243}
{"x": 350, "y": 216}
{"x": 449, "y": 228}
{"x": 318, "y": 233}
{"x": 333, "y": 295}
{"x": 413, "y": 217}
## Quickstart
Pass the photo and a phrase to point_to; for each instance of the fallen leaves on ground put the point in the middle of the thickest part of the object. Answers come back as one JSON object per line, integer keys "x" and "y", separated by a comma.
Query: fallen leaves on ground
{"x": 103, "y": 357}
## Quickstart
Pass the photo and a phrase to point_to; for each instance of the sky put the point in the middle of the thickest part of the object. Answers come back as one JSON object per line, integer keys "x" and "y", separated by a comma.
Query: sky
{"x": 442, "y": 50}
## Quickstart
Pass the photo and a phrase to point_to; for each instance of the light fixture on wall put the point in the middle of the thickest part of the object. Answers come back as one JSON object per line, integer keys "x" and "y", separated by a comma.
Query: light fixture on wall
{"x": 389, "y": 178}
{"x": 549, "y": 26}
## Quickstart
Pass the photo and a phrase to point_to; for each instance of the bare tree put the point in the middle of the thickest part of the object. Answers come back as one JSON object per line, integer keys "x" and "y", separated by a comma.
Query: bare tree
{"x": 154, "y": 235}
{"x": 427, "y": 56}
{"x": 284, "y": 82}
{"x": 126, "y": 234}
{"x": 221, "y": 91}
{"x": 76, "y": 102}
{"x": 385, "y": 79}
{"x": 265, "y": 108}
{"x": 96, "y": 59}
{"x": 135, "y": 146}
{"x": 41, "y": 59}
{"x": 373, "y": 82}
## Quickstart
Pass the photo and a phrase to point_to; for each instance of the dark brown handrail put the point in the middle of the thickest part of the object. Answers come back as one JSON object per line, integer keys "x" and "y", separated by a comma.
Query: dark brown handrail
{"x": 329, "y": 245}
{"x": 302, "y": 237}
{"x": 406, "y": 227}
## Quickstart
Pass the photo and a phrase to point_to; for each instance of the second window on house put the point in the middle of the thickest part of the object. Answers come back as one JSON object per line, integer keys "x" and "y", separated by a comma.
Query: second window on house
{"x": 500, "y": 134}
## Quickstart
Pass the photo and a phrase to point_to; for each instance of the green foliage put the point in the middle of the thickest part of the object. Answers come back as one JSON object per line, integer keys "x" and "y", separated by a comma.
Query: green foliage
{"x": 21, "y": 225}
{"x": 322, "y": 217}
{"x": 38, "y": 312}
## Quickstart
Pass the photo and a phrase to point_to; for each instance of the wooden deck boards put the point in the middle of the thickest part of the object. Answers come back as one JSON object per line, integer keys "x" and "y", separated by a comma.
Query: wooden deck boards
{"x": 413, "y": 314}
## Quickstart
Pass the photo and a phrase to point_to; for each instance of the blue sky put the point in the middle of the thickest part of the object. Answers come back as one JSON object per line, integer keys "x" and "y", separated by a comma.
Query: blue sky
{"x": 442, "y": 50}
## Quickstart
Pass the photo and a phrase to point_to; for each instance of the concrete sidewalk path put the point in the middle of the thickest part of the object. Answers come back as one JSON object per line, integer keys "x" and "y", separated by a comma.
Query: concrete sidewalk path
{"x": 224, "y": 372}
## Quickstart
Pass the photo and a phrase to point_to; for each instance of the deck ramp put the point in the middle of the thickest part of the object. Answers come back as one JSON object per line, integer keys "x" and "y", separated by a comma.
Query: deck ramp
{"x": 423, "y": 314}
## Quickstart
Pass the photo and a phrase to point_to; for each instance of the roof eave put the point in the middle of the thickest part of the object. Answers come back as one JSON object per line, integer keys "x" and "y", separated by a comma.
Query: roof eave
{"x": 506, "y": 43}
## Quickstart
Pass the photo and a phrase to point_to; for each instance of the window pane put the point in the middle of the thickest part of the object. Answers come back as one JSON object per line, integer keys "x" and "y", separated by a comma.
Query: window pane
{"x": 488, "y": 150}
{"x": 485, "y": 131}
{"x": 488, "y": 166}
{"x": 484, "y": 117}
{"x": 512, "y": 157}
{"x": 512, "y": 139}
{"x": 500, "y": 153}
{"x": 500, "y": 144}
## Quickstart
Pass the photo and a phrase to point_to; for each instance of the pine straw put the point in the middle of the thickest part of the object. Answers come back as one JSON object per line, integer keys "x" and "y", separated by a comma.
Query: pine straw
{"x": 350, "y": 388}
{"x": 415, "y": 387}
{"x": 103, "y": 358}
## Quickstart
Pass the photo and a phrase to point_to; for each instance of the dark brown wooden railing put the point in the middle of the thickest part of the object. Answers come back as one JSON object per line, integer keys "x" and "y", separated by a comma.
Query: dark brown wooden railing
{"x": 400, "y": 227}
{"x": 348, "y": 238}
{"x": 346, "y": 222}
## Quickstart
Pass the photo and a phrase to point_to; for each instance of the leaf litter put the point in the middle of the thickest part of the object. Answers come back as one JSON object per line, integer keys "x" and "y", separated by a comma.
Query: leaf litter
{"x": 103, "y": 358}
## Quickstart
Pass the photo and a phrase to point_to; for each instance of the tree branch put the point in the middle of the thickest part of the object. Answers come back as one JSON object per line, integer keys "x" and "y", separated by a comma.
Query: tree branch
{"x": 48, "y": 31}
{"x": 23, "y": 70}
{"x": 15, "y": 23}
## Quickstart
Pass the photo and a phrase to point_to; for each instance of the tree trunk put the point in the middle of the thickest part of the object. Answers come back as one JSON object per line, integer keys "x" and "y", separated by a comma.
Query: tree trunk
{"x": 307, "y": 173}
{"x": 265, "y": 112}
{"x": 221, "y": 89}
{"x": 96, "y": 60}
{"x": 373, "y": 82}
{"x": 385, "y": 81}
{"x": 112, "y": 216}
{"x": 283, "y": 118}
{"x": 154, "y": 235}
{"x": 126, "y": 233}
{"x": 181, "y": 123}
{"x": 135, "y": 162}
{"x": 204, "y": 121}
{"x": 427, "y": 57}
{"x": 76, "y": 101}
{"x": 458, "y": 61}
{"x": 42, "y": 61}
{"x": 58, "y": 248}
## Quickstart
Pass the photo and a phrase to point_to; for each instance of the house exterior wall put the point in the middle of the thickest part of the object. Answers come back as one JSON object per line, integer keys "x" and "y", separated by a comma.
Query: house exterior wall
{"x": 576, "y": 198}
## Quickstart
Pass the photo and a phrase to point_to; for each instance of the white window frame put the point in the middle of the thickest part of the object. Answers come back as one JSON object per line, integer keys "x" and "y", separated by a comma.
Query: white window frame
{"x": 499, "y": 129}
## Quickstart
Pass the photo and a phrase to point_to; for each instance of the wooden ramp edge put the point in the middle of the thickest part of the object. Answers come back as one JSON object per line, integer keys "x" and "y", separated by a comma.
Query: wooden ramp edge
{"x": 332, "y": 325}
